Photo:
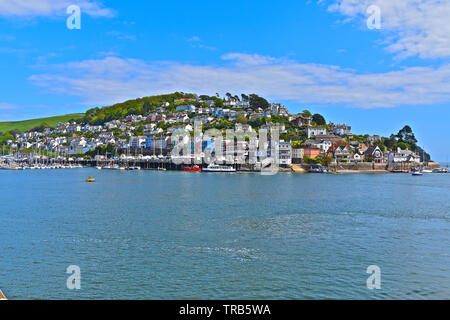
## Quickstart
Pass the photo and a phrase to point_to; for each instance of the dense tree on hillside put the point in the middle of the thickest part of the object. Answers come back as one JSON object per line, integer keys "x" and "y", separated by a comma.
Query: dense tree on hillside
{"x": 40, "y": 128}
{"x": 258, "y": 102}
{"x": 318, "y": 119}
{"x": 245, "y": 98}
{"x": 205, "y": 97}
{"x": 218, "y": 102}
{"x": 257, "y": 122}
{"x": 407, "y": 136}
{"x": 390, "y": 142}
{"x": 6, "y": 137}
{"x": 306, "y": 113}
{"x": 98, "y": 116}
{"x": 241, "y": 119}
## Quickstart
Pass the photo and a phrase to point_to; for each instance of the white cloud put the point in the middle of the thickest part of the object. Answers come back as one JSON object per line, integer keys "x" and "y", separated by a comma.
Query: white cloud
{"x": 112, "y": 79}
{"x": 7, "y": 106}
{"x": 34, "y": 8}
{"x": 418, "y": 27}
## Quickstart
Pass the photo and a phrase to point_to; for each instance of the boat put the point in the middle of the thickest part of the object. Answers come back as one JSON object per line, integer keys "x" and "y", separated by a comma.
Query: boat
{"x": 99, "y": 168}
{"x": 90, "y": 179}
{"x": 440, "y": 170}
{"x": 218, "y": 168}
{"x": 427, "y": 170}
{"x": 416, "y": 172}
{"x": 193, "y": 169}
{"x": 2, "y": 296}
{"x": 317, "y": 169}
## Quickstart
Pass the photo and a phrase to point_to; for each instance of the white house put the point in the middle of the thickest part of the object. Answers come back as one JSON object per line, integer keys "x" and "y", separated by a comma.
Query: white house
{"x": 403, "y": 156}
{"x": 314, "y": 131}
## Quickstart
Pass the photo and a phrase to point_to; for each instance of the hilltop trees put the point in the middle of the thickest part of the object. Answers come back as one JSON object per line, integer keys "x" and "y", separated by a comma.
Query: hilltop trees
{"x": 99, "y": 116}
{"x": 404, "y": 139}
{"x": 407, "y": 136}
{"x": 258, "y": 102}
{"x": 318, "y": 119}
{"x": 306, "y": 113}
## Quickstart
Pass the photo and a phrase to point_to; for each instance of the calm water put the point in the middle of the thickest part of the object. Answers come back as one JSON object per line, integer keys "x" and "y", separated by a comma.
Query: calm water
{"x": 177, "y": 235}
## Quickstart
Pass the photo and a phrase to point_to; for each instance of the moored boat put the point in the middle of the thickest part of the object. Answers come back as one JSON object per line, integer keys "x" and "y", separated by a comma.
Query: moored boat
{"x": 218, "y": 168}
{"x": 193, "y": 169}
{"x": 440, "y": 170}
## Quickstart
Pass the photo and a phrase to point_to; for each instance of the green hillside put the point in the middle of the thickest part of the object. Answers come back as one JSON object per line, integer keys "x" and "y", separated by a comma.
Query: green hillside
{"x": 29, "y": 124}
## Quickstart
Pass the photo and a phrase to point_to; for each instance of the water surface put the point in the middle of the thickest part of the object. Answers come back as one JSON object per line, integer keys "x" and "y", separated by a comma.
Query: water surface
{"x": 180, "y": 235}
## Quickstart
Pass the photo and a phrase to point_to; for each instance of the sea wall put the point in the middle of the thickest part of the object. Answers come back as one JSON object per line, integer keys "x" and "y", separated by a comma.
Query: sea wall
{"x": 367, "y": 166}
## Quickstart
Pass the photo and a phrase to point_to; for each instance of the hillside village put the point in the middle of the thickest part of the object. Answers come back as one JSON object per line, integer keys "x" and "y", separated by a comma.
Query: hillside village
{"x": 143, "y": 128}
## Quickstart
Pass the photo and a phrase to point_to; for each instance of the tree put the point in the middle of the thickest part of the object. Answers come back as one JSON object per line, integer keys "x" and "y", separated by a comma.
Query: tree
{"x": 241, "y": 119}
{"x": 402, "y": 145}
{"x": 327, "y": 161}
{"x": 306, "y": 113}
{"x": 407, "y": 136}
{"x": 390, "y": 142}
{"x": 258, "y": 102}
{"x": 245, "y": 98}
{"x": 218, "y": 102}
{"x": 318, "y": 119}
{"x": 204, "y": 97}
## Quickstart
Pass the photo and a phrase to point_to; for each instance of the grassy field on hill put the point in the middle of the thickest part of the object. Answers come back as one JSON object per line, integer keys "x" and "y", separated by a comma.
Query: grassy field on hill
{"x": 29, "y": 124}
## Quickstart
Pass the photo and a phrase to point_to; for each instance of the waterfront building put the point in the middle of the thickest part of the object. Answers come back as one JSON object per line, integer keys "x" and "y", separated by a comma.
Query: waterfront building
{"x": 400, "y": 156}
{"x": 297, "y": 155}
{"x": 285, "y": 153}
{"x": 374, "y": 153}
{"x": 311, "y": 151}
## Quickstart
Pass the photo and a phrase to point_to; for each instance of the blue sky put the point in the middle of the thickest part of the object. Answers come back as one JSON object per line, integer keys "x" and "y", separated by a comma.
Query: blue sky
{"x": 318, "y": 55}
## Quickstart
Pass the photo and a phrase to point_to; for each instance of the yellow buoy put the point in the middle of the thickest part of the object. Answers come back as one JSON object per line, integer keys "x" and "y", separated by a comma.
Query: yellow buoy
{"x": 90, "y": 180}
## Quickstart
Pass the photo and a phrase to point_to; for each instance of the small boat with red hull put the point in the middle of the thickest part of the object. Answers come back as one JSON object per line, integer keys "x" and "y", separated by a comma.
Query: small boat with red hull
{"x": 193, "y": 169}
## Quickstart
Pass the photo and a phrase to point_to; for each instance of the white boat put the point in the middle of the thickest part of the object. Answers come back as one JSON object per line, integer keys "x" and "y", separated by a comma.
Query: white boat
{"x": 99, "y": 168}
{"x": 218, "y": 168}
{"x": 416, "y": 172}
{"x": 427, "y": 170}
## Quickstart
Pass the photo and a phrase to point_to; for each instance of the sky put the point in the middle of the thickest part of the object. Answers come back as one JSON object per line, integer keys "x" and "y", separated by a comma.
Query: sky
{"x": 316, "y": 55}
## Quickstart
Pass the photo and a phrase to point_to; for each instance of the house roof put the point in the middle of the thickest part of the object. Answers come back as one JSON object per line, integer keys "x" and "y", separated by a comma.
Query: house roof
{"x": 371, "y": 150}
